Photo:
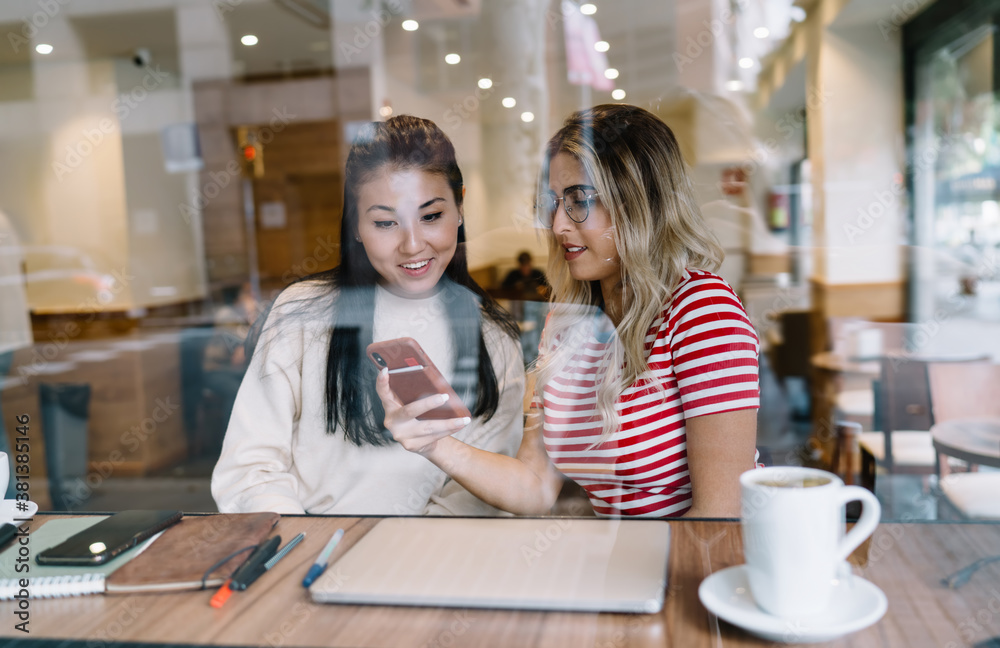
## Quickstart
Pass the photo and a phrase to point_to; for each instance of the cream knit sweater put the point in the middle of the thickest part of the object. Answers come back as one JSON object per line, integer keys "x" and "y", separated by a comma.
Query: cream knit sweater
{"x": 278, "y": 457}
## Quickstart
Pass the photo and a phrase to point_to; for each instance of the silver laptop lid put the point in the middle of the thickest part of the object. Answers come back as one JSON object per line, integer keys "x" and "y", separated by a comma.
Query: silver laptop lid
{"x": 577, "y": 564}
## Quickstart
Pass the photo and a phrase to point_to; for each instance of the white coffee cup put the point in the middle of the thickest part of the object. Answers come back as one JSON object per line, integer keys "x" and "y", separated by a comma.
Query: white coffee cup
{"x": 4, "y": 474}
{"x": 793, "y": 536}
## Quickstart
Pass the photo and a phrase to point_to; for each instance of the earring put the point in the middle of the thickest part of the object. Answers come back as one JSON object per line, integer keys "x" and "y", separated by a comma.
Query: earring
{"x": 357, "y": 238}
{"x": 460, "y": 221}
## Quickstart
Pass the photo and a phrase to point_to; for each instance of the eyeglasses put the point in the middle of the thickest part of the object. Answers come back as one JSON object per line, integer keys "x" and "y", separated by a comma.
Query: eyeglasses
{"x": 576, "y": 200}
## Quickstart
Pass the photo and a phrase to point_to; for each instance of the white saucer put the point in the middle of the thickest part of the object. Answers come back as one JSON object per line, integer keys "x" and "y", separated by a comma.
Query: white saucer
{"x": 9, "y": 512}
{"x": 856, "y": 604}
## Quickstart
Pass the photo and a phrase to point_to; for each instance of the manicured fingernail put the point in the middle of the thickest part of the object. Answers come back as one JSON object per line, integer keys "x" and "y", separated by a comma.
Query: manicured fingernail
{"x": 384, "y": 371}
{"x": 466, "y": 420}
{"x": 442, "y": 398}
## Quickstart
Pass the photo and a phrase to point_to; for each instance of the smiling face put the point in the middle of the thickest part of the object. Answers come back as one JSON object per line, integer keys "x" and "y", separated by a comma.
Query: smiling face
{"x": 588, "y": 247}
{"x": 408, "y": 224}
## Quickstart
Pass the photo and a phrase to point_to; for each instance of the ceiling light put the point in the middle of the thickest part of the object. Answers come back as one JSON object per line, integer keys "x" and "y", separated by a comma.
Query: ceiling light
{"x": 761, "y": 32}
{"x": 746, "y": 62}
{"x": 249, "y": 40}
{"x": 411, "y": 25}
{"x": 452, "y": 59}
{"x": 588, "y": 9}
{"x": 485, "y": 83}
{"x": 385, "y": 111}
{"x": 508, "y": 102}
{"x": 618, "y": 94}
{"x": 527, "y": 117}
{"x": 611, "y": 73}
{"x": 43, "y": 48}
{"x": 798, "y": 14}
{"x": 602, "y": 46}
{"x": 734, "y": 85}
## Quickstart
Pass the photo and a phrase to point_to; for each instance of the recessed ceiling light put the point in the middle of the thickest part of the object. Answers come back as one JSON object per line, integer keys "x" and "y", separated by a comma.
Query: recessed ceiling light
{"x": 43, "y": 48}
{"x": 746, "y": 62}
{"x": 588, "y": 9}
{"x": 385, "y": 111}
{"x": 249, "y": 40}
{"x": 611, "y": 73}
{"x": 734, "y": 85}
{"x": 508, "y": 102}
{"x": 411, "y": 25}
{"x": 618, "y": 94}
{"x": 485, "y": 83}
{"x": 761, "y": 32}
{"x": 452, "y": 59}
{"x": 602, "y": 46}
{"x": 527, "y": 117}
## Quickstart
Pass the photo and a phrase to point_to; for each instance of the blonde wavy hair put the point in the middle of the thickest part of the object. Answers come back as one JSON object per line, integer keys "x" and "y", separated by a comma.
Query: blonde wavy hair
{"x": 636, "y": 166}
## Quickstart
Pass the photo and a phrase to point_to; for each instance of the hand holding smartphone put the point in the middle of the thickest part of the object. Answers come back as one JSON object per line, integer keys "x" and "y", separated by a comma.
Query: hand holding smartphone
{"x": 100, "y": 543}
{"x": 413, "y": 376}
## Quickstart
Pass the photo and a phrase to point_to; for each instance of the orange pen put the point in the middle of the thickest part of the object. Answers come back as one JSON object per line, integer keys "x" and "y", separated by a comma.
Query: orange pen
{"x": 221, "y": 596}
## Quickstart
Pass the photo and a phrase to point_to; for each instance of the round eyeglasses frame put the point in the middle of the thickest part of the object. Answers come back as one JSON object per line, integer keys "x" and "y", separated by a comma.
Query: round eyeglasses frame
{"x": 547, "y": 204}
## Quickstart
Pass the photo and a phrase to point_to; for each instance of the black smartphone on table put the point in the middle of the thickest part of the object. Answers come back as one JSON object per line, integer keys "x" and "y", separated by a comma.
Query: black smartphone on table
{"x": 100, "y": 543}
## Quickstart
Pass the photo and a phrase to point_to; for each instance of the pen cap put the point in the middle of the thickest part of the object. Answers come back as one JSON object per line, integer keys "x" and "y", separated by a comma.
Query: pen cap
{"x": 314, "y": 572}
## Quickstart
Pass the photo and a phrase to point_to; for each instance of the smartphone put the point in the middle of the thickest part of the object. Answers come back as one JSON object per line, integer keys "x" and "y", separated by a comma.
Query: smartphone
{"x": 413, "y": 376}
{"x": 100, "y": 543}
{"x": 7, "y": 533}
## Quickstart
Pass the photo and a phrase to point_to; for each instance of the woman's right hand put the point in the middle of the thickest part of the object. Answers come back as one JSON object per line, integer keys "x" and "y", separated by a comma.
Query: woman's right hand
{"x": 401, "y": 420}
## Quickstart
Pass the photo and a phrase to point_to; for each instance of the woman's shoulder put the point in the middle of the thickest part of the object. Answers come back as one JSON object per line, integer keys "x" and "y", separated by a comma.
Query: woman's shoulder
{"x": 701, "y": 288}
{"x": 304, "y": 296}
{"x": 694, "y": 280}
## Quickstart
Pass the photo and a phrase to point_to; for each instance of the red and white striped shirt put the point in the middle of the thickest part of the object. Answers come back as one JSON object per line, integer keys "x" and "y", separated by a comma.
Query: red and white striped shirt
{"x": 702, "y": 351}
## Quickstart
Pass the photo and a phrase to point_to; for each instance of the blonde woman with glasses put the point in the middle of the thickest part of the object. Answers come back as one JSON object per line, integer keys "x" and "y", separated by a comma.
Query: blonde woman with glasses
{"x": 647, "y": 390}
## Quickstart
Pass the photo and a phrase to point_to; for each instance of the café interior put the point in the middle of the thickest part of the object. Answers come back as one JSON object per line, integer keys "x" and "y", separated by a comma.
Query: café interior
{"x": 168, "y": 166}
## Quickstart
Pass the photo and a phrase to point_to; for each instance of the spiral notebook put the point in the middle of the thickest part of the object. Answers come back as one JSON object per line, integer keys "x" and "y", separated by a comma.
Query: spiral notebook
{"x": 52, "y": 581}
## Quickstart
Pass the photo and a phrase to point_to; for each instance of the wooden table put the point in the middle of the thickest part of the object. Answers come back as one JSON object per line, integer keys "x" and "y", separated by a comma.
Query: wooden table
{"x": 974, "y": 440}
{"x": 906, "y": 561}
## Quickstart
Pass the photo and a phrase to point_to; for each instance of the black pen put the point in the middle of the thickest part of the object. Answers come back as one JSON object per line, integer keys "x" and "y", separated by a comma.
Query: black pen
{"x": 254, "y": 566}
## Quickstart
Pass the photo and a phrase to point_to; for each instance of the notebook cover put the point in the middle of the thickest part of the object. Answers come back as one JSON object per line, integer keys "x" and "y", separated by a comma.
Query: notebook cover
{"x": 48, "y": 534}
{"x": 180, "y": 557}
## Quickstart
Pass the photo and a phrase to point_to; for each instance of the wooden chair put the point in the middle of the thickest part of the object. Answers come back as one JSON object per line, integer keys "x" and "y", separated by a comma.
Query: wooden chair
{"x": 902, "y": 443}
{"x": 903, "y": 414}
{"x": 966, "y": 391}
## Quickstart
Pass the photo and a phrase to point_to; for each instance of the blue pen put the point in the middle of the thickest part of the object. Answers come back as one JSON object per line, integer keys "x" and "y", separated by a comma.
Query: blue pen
{"x": 324, "y": 557}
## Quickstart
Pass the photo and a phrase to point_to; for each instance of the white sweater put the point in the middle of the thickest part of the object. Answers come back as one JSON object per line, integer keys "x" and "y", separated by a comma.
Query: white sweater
{"x": 277, "y": 455}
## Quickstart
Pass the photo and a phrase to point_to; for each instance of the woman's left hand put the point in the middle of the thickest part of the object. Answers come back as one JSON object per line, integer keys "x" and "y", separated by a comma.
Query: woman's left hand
{"x": 401, "y": 420}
